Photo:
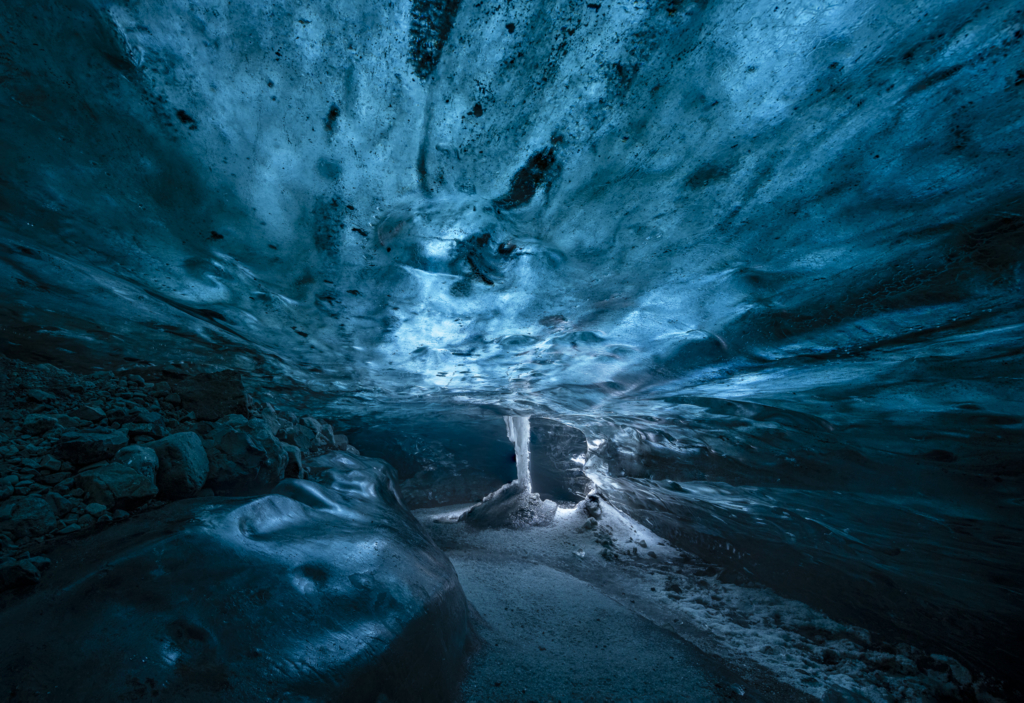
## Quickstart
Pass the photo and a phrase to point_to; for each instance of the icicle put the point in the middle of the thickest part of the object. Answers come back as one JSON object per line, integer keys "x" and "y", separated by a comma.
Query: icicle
{"x": 518, "y": 428}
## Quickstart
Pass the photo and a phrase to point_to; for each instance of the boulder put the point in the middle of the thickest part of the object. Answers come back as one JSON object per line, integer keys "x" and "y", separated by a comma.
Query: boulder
{"x": 40, "y": 396}
{"x": 244, "y": 457}
{"x": 84, "y": 448}
{"x": 138, "y": 429}
{"x": 234, "y": 420}
{"x": 89, "y": 413}
{"x": 55, "y": 478}
{"x": 95, "y": 509}
{"x": 323, "y": 433}
{"x": 270, "y": 420}
{"x": 327, "y": 439}
{"x": 122, "y": 484}
{"x": 294, "y": 467}
{"x": 26, "y": 516}
{"x": 60, "y": 505}
{"x": 298, "y": 435}
{"x": 141, "y": 459}
{"x": 17, "y": 573}
{"x": 50, "y": 463}
{"x": 183, "y": 465}
{"x": 39, "y": 424}
{"x": 213, "y": 395}
{"x": 135, "y": 414}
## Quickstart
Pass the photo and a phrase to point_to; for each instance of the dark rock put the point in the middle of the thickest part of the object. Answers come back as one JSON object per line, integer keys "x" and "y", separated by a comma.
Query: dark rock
{"x": 50, "y": 463}
{"x": 14, "y": 574}
{"x": 39, "y": 424}
{"x": 138, "y": 429}
{"x": 120, "y": 485}
{"x": 268, "y": 580}
{"x": 323, "y": 433}
{"x": 141, "y": 459}
{"x": 60, "y": 505}
{"x": 89, "y": 413}
{"x": 240, "y": 448}
{"x": 95, "y": 509}
{"x": 41, "y": 563}
{"x": 203, "y": 428}
{"x": 271, "y": 421}
{"x": 213, "y": 395}
{"x": 234, "y": 420}
{"x": 326, "y": 437}
{"x": 245, "y": 458}
{"x": 183, "y": 465}
{"x": 40, "y": 396}
{"x": 26, "y": 516}
{"x": 84, "y": 448}
{"x": 294, "y": 468}
{"x": 299, "y": 436}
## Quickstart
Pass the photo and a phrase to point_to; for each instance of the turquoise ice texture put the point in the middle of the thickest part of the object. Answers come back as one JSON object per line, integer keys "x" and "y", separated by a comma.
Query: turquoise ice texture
{"x": 765, "y": 255}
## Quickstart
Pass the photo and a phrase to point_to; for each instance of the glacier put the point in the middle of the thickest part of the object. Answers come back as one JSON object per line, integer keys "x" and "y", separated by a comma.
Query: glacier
{"x": 753, "y": 270}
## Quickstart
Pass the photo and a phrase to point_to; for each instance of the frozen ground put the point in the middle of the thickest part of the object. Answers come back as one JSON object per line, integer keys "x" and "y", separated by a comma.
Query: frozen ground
{"x": 612, "y": 613}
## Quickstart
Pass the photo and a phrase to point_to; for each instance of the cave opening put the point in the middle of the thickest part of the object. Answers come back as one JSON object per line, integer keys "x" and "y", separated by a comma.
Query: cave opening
{"x": 436, "y": 351}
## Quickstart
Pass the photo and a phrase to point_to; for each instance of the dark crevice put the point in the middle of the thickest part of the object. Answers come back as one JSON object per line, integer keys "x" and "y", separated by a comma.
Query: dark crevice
{"x": 539, "y": 169}
{"x": 432, "y": 22}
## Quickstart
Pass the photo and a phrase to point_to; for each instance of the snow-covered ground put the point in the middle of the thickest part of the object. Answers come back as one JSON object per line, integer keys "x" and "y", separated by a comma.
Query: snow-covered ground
{"x": 613, "y": 613}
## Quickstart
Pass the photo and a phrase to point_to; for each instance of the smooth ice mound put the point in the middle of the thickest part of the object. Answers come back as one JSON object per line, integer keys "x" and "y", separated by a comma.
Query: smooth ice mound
{"x": 317, "y": 592}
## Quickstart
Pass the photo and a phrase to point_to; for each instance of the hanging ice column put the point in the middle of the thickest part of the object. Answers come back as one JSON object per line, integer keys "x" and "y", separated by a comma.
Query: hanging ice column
{"x": 518, "y": 428}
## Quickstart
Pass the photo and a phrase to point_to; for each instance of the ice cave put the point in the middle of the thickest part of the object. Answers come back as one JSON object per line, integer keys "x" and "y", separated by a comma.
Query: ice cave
{"x": 511, "y": 351}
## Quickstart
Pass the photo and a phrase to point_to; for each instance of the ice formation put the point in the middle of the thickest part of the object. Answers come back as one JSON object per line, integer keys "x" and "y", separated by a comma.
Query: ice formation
{"x": 318, "y": 591}
{"x": 756, "y": 265}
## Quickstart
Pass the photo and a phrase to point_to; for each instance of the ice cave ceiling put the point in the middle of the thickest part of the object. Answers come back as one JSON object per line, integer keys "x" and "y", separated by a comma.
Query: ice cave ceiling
{"x": 770, "y": 248}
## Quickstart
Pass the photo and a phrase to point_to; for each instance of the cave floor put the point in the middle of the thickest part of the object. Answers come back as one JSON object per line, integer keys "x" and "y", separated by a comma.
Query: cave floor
{"x": 559, "y": 622}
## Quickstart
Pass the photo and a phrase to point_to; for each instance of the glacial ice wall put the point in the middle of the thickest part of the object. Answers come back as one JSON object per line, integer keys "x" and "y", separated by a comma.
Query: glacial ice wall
{"x": 740, "y": 198}
{"x": 766, "y": 255}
